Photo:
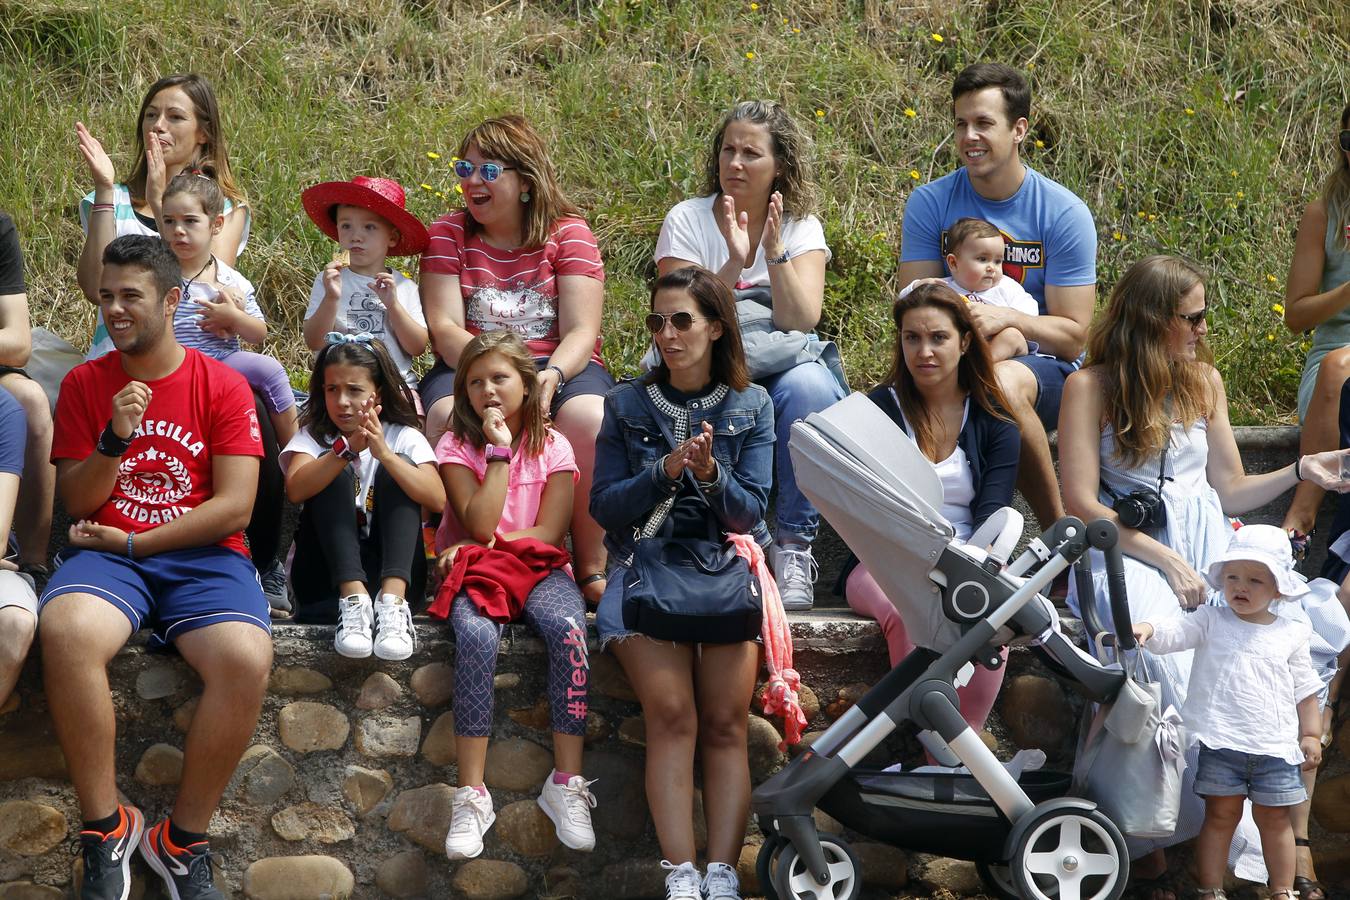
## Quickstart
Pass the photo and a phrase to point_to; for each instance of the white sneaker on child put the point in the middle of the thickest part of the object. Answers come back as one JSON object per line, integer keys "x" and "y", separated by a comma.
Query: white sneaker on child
{"x": 353, "y": 632}
{"x": 471, "y": 816}
{"x": 794, "y": 568}
{"x": 721, "y": 883}
{"x": 394, "y": 634}
{"x": 569, "y": 807}
{"x": 683, "y": 882}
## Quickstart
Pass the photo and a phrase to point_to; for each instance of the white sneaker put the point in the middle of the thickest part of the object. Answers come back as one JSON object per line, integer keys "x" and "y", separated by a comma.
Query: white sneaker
{"x": 721, "y": 883}
{"x": 394, "y": 634}
{"x": 683, "y": 882}
{"x": 471, "y": 816}
{"x": 569, "y": 807}
{"x": 353, "y": 632}
{"x": 794, "y": 568}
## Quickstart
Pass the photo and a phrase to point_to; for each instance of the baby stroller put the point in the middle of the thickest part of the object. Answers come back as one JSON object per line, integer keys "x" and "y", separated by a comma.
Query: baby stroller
{"x": 1027, "y": 837}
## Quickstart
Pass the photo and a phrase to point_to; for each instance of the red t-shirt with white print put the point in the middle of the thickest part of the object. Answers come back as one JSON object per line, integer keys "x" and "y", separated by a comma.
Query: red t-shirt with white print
{"x": 203, "y": 410}
{"x": 514, "y": 290}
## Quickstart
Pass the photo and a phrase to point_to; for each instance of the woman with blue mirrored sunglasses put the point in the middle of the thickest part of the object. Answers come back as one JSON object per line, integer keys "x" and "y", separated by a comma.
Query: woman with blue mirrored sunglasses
{"x": 519, "y": 257}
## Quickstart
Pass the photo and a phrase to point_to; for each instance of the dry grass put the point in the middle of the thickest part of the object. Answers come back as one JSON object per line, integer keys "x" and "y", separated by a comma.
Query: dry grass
{"x": 628, "y": 92}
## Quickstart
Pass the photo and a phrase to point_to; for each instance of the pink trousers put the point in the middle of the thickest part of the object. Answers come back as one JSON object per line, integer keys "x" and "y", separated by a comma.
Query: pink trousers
{"x": 866, "y": 599}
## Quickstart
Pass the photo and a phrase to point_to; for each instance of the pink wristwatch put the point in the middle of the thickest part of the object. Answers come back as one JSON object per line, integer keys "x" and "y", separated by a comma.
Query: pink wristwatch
{"x": 493, "y": 453}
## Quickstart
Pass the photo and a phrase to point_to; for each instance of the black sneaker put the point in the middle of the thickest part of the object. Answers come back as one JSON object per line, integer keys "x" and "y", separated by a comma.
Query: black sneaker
{"x": 186, "y": 870}
{"x": 107, "y": 857}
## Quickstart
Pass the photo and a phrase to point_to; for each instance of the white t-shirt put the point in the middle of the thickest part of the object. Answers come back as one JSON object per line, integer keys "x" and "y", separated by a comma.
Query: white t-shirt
{"x": 1246, "y": 681}
{"x": 186, "y": 326}
{"x": 690, "y": 232}
{"x": 1006, "y": 293}
{"x": 958, "y": 482}
{"x": 360, "y": 310}
{"x": 400, "y": 438}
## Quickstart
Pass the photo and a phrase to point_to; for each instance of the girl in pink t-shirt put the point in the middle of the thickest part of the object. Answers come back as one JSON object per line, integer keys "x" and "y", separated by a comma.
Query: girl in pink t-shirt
{"x": 508, "y": 475}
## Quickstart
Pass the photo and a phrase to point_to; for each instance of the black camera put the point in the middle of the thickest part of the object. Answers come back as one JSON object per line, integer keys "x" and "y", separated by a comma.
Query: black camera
{"x": 1142, "y": 509}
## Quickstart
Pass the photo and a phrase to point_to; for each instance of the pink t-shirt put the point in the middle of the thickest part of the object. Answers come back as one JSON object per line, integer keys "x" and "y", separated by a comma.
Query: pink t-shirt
{"x": 513, "y": 290}
{"x": 525, "y": 491}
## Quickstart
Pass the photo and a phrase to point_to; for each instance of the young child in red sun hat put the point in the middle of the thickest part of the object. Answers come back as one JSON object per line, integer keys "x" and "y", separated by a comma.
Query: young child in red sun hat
{"x": 357, "y": 292}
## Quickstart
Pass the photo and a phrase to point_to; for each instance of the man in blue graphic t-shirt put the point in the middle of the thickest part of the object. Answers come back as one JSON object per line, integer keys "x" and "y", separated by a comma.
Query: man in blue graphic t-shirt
{"x": 1050, "y": 249}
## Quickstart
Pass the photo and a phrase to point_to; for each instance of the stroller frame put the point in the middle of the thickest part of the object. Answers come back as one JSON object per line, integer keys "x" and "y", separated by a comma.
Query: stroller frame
{"x": 796, "y": 861}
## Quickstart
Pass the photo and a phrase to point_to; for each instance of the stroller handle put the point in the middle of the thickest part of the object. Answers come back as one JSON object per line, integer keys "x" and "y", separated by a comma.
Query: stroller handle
{"x": 1105, "y": 536}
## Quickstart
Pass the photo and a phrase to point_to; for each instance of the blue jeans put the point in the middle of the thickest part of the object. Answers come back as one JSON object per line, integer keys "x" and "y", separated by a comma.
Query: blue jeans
{"x": 796, "y": 393}
{"x": 1268, "y": 781}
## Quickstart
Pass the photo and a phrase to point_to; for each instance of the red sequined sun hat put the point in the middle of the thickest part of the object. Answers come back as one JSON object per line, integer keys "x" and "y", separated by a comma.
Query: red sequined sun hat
{"x": 382, "y": 196}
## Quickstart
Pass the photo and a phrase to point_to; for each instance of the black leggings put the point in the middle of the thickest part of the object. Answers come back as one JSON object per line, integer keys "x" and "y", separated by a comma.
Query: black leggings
{"x": 329, "y": 548}
{"x": 264, "y": 529}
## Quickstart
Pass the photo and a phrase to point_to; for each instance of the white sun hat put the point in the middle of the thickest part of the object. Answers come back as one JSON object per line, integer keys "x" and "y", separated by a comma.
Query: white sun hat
{"x": 1267, "y": 545}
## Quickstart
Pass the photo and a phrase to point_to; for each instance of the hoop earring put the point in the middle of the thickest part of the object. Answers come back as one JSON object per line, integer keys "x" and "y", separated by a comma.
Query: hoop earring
{"x": 524, "y": 196}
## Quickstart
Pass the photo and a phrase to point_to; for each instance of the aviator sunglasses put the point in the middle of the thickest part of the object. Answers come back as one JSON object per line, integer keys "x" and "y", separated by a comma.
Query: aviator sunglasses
{"x": 1195, "y": 318}
{"x": 489, "y": 171}
{"x": 1345, "y": 140}
{"x": 682, "y": 321}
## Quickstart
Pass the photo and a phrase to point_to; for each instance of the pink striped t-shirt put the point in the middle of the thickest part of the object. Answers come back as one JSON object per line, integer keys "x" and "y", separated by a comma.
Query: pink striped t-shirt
{"x": 514, "y": 290}
{"x": 526, "y": 479}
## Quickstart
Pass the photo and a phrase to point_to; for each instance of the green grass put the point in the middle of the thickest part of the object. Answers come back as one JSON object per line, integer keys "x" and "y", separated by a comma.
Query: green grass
{"x": 1190, "y": 126}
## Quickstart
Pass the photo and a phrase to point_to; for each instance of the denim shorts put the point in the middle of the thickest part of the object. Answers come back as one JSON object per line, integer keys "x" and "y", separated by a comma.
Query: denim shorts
{"x": 1268, "y": 781}
{"x": 439, "y": 383}
{"x": 1050, "y": 377}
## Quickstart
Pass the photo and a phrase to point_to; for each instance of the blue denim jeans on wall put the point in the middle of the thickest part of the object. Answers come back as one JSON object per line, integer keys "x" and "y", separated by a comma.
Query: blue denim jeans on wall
{"x": 796, "y": 393}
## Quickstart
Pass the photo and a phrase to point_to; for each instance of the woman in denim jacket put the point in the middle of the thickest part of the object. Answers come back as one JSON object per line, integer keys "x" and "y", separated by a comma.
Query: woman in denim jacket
{"x": 692, "y": 695}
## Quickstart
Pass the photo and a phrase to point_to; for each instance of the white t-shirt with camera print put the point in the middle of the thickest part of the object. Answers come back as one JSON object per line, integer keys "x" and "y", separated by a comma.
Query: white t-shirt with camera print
{"x": 360, "y": 309}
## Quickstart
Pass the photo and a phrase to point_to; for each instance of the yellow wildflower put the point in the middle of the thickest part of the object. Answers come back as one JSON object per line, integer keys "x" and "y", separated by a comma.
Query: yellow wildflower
{"x": 1117, "y": 235}
{"x": 1272, "y": 279}
{"x": 1151, "y": 217}
{"x": 754, "y": 6}
{"x": 1142, "y": 214}
{"x": 407, "y": 274}
{"x": 426, "y": 187}
{"x": 459, "y": 189}
{"x": 453, "y": 160}
{"x": 1189, "y": 111}
{"x": 749, "y": 54}
{"x": 1277, "y": 308}
{"x": 936, "y": 37}
{"x": 432, "y": 154}
{"x": 796, "y": 31}
{"x": 910, "y": 113}
{"x": 441, "y": 194}
{"x": 914, "y": 173}
{"x": 1270, "y": 337}
{"x": 1040, "y": 144}
{"x": 1233, "y": 172}
{"x": 785, "y": 20}
{"x": 820, "y": 114}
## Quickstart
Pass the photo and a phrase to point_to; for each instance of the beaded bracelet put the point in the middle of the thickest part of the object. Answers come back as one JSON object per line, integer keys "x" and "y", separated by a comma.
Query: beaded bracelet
{"x": 131, "y": 535}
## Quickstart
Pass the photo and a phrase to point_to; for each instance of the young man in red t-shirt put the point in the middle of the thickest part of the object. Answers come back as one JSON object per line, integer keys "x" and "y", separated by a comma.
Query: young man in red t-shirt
{"x": 156, "y": 450}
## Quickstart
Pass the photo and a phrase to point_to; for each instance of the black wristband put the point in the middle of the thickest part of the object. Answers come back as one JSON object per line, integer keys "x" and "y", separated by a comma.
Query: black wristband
{"x": 109, "y": 444}
{"x": 1298, "y": 464}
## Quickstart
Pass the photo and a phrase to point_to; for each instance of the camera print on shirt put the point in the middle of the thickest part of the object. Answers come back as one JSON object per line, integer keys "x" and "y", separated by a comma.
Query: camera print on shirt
{"x": 517, "y": 307}
{"x": 366, "y": 312}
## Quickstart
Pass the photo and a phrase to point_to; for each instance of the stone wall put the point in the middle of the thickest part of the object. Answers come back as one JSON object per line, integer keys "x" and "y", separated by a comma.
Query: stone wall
{"x": 346, "y": 789}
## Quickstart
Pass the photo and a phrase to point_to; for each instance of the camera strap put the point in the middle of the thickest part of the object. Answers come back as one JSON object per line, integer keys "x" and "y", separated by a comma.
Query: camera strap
{"x": 1162, "y": 475}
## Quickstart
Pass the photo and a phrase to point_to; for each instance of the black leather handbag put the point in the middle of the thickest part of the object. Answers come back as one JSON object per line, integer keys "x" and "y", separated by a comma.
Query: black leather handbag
{"x": 689, "y": 589}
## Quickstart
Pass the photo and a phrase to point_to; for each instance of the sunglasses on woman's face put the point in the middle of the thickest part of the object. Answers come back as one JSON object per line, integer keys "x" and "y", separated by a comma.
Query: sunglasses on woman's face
{"x": 1345, "y": 140}
{"x": 682, "y": 321}
{"x": 489, "y": 171}
{"x": 1194, "y": 319}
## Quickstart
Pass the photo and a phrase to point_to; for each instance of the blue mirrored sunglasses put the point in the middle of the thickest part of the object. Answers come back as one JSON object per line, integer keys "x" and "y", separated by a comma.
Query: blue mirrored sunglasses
{"x": 489, "y": 171}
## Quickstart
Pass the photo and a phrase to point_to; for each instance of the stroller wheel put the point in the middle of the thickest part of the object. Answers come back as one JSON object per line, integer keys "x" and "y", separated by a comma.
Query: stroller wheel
{"x": 765, "y": 863}
{"x": 999, "y": 879}
{"x": 1070, "y": 854}
{"x": 794, "y": 882}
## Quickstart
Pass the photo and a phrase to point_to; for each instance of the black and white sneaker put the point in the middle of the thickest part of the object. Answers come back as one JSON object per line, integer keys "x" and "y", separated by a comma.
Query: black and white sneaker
{"x": 186, "y": 870}
{"x": 107, "y": 857}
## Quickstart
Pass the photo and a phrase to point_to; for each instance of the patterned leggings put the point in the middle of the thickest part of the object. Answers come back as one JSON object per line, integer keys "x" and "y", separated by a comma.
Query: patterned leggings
{"x": 557, "y": 614}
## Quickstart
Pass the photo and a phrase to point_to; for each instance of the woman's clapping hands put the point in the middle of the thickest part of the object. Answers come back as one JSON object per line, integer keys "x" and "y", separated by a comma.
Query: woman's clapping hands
{"x": 694, "y": 454}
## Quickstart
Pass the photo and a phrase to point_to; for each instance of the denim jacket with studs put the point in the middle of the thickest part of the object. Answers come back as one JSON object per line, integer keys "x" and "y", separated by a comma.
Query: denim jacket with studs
{"x": 630, "y": 480}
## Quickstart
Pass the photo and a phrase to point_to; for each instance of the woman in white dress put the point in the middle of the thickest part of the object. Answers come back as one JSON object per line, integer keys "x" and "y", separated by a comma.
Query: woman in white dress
{"x": 1148, "y": 416}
